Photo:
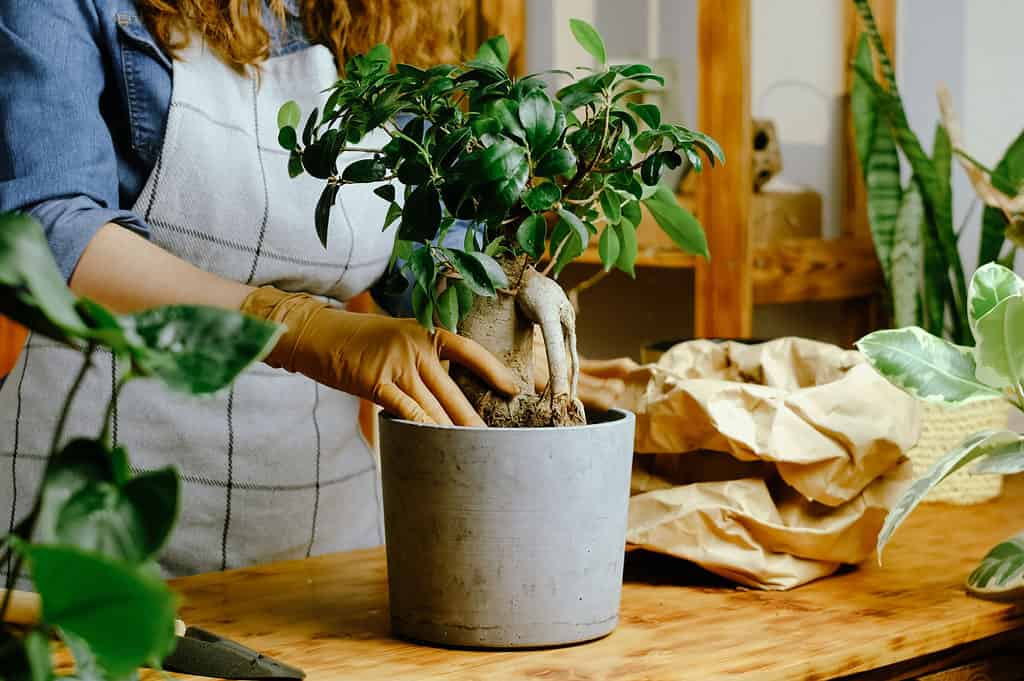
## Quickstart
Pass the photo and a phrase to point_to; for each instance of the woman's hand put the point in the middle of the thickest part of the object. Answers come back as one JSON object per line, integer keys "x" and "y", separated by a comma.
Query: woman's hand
{"x": 393, "y": 362}
{"x": 602, "y": 381}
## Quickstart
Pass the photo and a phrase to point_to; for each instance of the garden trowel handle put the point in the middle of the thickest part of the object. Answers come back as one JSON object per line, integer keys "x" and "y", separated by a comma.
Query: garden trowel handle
{"x": 25, "y": 607}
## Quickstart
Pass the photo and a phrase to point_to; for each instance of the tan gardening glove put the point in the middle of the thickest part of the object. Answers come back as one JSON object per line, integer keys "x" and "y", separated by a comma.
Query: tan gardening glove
{"x": 393, "y": 362}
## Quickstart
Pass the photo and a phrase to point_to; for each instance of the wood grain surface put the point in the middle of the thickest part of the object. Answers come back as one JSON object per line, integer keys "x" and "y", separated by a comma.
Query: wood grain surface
{"x": 329, "y": 615}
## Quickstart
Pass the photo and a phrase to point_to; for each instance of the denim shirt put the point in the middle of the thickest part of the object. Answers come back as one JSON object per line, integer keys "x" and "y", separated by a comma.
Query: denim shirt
{"x": 84, "y": 96}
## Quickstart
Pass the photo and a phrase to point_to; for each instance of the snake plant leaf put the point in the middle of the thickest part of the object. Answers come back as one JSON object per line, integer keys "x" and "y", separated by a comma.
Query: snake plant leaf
{"x": 884, "y": 194}
{"x": 991, "y": 284}
{"x": 974, "y": 447}
{"x": 32, "y": 290}
{"x": 1000, "y": 575}
{"x": 1005, "y": 460}
{"x": 589, "y": 39}
{"x": 871, "y": 29}
{"x": 925, "y": 366}
{"x": 680, "y": 225}
{"x": 862, "y": 103}
{"x": 126, "y": 615}
{"x": 907, "y": 257}
{"x": 999, "y": 349}
{"x": 198, "y": 350}
{"x": 993, "y": 221}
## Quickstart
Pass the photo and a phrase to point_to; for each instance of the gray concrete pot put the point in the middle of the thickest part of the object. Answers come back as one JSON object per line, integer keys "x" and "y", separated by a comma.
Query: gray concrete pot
{"x": 506, "y": 537}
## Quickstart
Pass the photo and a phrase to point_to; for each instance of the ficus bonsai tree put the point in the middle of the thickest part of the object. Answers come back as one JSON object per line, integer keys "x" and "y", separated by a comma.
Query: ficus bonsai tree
{"x": 936, "y": 370}
{"x": 534, "y": 175}
{"x": 95, "y": 528}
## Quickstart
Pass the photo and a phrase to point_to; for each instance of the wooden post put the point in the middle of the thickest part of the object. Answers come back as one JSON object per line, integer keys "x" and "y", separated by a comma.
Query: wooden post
{"x": 723, "y": 306}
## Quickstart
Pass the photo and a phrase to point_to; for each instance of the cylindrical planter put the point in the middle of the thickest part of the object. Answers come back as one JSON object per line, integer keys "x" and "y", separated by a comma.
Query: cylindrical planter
{"x": 506, "y": 537}
{"x": 942, "y": 429}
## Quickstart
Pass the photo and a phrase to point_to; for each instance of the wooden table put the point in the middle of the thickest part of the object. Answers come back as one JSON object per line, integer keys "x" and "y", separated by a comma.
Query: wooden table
{"x": 329, "y": 615}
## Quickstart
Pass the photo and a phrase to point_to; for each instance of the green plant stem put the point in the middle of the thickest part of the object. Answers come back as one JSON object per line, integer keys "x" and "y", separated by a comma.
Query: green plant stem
{"x": 423, "y": 151}
{"x": 108, "y": 415}
{"x": 59, "y": 430}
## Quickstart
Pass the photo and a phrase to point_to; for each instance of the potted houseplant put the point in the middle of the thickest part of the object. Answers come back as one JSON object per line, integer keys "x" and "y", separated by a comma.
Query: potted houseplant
{"x": 511, "y": 535}
{"x": 916, "y": 242}
{"x": 936, "y": 370}
{"x": 95, "y": 528}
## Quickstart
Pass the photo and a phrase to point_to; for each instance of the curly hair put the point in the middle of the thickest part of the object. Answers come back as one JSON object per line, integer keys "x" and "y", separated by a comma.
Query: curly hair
{"x": 419, "y": 32}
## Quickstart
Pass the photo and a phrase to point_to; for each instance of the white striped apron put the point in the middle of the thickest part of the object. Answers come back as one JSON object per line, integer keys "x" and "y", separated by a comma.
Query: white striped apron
{"x": 275, "y": 468}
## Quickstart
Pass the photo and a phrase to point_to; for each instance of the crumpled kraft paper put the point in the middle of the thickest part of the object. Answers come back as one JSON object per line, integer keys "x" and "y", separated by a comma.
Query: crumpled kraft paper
{"x": 773, "y": 463}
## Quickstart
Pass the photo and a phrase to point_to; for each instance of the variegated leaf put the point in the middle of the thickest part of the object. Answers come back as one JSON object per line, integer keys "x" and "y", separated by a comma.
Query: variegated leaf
{"x": 925, "y": 366}
{"x": 1000, "y": 575}
{"x": 999, "y": 344}
{"x": 990, "y": 285}
{"x": 1005, "y": 460}
{"x": 882, "y": 177}
{"x": 907, "y": 258}
{"x": 974, "y": 447}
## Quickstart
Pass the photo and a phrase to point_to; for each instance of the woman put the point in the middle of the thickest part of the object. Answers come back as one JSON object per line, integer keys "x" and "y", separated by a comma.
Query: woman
{"x": 142, "y": 135}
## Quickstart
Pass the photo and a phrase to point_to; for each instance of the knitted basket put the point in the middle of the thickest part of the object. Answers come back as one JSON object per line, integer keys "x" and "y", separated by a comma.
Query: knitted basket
{"x": 942, "y": 429}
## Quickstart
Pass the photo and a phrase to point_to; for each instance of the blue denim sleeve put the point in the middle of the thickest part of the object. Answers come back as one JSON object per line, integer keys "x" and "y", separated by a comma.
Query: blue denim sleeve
{"x": 58, "y": 160}
{"x": 401, "y": 305}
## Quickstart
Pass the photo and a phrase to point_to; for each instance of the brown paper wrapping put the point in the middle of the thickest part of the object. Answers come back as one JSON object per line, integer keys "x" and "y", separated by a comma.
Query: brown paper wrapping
{"x": 769, "y": 464}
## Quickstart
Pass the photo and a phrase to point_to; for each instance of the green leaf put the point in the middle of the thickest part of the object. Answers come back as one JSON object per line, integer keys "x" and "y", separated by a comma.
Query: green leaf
{"x": 588, "y": 38}
{"x": 379, "y": 54}
{"x": 990, "y": 285}
{"x": 571, "y": 246}
{"x": 506, "y": 112}
{"x": 556, "y": 162}
{"x": 289, "y": 115}
{"x": 288, "y": 138}
{"x": 126, "y": 616}
{"x": 542, "y": 197}
{"x": 531, "y": 235}
{"x": 925, "y": 366}
{"x": 648, "y": 113}
{"x": 1000, "y": 575}
{"x": 680, "y": 225}
{"x": 863, "y": 108}
{"x": 974, "y": 447}
{"x": 365, "y": 170}
{"x": 386, "y": 192}
{"x": 907, "y": 259}
{"x": 1006, "y": 459}
{"x": 465, "y": 297}
{"x": 884, "y": 194}
{"x": 79, "y": 464}
{"x": 541, "y": 122}
{"x": 492, "y": 268}
{"x": 999, "y": 344}
{"x": 993, "y": 221}
{"x": 494, "y": 51}
{"x": 310, "y": 127}
{"x": 496, "y": 245}
{"x": 322, "y": 216}
{"x": 611, "y": 206}
{"x": 394, "y": 212}
{"x": 448, "y": 309}
{"x": 32, "y": 290}
{"x": 198, "y": 350}
{"x": 423, "y": 307}
{"x": 424, "y": 269}
{"x": 627, "y": 247}
{"x": 650, "y": 169}
{"x": 295, "y": 167}
{"x": 472, "y": 271}
{"x": 631, "y": 211}
{"x": 608, "y": 247}
{"x": 131, "y": 523}
{"x": 26, "y": 659}
{"x": 421, "y": 216}
{"x": 577, "y": 225}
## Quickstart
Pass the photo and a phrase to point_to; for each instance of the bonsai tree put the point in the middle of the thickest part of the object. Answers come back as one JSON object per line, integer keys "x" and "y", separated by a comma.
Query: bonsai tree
{"x": 912, "y": 227}
{"x": 936, "y": 370}
{"x": 535, "y": 176}
{"x": 95, "y": 527}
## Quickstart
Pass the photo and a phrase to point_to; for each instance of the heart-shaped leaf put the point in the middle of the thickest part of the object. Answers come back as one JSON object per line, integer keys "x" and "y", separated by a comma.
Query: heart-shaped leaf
{"x": 927, "y": 367}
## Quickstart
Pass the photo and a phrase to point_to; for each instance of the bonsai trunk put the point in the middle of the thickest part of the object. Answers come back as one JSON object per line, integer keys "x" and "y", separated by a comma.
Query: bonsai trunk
{"x": 504, "y": 325}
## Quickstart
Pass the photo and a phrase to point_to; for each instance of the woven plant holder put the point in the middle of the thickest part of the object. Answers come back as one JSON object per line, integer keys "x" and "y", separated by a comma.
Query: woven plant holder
{"x": 942, "y": 429}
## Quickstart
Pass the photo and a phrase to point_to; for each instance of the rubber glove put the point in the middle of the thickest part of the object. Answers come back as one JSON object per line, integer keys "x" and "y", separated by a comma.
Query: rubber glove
{"x": 393, "y": 362}
{"x": 601, "y": 383}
